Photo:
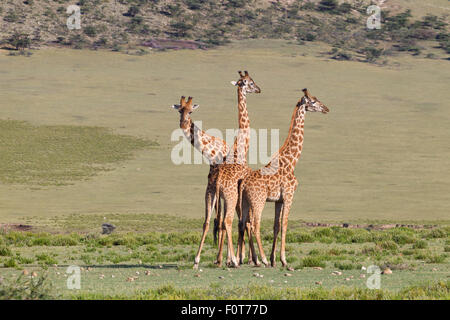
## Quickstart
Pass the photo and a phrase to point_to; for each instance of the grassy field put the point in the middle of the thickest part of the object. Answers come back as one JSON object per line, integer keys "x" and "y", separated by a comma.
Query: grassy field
{"x": 85, "y": 139}
{"x": 379, "y": 154}
{"x": 142, "y": 261}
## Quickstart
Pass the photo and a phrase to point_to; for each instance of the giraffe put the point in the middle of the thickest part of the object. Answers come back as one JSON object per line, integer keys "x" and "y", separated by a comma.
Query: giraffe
{"x": 276, "y": 182}
{"x": 230, "y": 174}
{"x": 245, "y": 85}
{"x": 214, "y": 149}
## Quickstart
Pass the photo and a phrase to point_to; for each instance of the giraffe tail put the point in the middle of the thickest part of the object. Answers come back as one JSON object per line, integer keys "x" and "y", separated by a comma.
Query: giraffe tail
{"x": 217, "y": 219}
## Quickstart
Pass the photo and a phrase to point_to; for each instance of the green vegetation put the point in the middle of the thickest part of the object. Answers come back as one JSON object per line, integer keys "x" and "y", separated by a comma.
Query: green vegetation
{"x": 158, "y": 250}
{"x": 342, "y": 25}
{"x": 25, "y": 288}
{"x": 59, "y": 155}
{"x": 438, "y": 290}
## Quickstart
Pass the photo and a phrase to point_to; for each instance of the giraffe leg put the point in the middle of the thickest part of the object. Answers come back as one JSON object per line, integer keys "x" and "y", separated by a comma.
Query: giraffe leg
{"x": 258, "y": 236}
{"x": 252, "y": 255}
{"x": 221, "y": 238}
{"x": 276, "y": 229}
{"x": 217, "y": 225}
{"x": 240, "y": 251}
{"x": 210, "y": 200}
{"x": 284, "y": 222}
{"x": 230, "y": 204}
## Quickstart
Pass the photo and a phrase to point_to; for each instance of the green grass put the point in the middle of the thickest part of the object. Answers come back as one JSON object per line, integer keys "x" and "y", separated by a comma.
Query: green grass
{"x": 167, "y": 250}
{"x": 372, "y": 159}
{"x": 437, "y": 290}
{"x": 58, "y": 155}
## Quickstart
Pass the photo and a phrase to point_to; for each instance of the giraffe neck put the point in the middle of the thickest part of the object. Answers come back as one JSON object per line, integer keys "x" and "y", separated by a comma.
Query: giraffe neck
{"x": 291, "y": 150}
{"x": 214, "y": 149}
{"x": 241, "y": 142}
{"x": 189, "y": 128}
{"x": 244, "y": 121}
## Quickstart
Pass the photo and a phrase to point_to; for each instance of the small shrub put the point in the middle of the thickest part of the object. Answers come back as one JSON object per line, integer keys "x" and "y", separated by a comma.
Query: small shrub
{"x": 314, "y": 252}
{"x": 436, "y": 258}
{"x": 25, "y": 288}
{"x": 327, "y": 5}
{"x": 5, "y": 252}
{"x": 90, "y": 31}
{"x": 132, "y": 11}
{"x": 346, "y": 266}
{"x": 408, "y": 252}
{"x": 20, "y": 41}
{"x": 436, "y": 233}
{"x": 420, "y": 244}
{"x": 312, "y": 262}
{"x": 10, "y": 263}
{"x": 372, "y": 53}
{"x": 388, "y": 245}
{"x": 46, "y": 259}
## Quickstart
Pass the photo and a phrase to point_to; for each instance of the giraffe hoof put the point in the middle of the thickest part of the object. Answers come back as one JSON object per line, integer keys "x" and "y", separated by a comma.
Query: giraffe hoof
{"x": 195, "y": 267}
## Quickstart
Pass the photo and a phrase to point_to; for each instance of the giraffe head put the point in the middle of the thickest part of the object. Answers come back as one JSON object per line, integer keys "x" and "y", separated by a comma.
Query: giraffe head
{"x": 246, "y": 83}
{"x": 311, "y": 103}
{"x": 185, "y": 108}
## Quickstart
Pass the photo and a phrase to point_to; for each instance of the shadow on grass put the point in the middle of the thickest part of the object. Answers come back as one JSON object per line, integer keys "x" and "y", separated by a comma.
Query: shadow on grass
{"x": 130, "y": 266}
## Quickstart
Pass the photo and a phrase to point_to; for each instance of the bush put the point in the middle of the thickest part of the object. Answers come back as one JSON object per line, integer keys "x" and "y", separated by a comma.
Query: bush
{"x": 312, "y": 262}
{"x": 132, "y": 11}
{"x": 436, "y": 258}
{"x": 346, "y": 266}
{"x": 194, "y": 4}
{"x": 328, "y": 5}
{"x": 345, "y": 7}
{"x": 5, "y": 252}
{"x": 20, "y": 41}
{"x": 372, "y": 54}
{"x": 388, "y": 245}
{"x": 25, "y": 288}
{"x": 90, "y": 31}
{"x": 11, "y": 263}
{"x": 420, "y": 244}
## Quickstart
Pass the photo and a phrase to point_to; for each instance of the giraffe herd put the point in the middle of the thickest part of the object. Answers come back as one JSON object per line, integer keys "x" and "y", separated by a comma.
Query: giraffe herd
{"x": 231, "y": 179}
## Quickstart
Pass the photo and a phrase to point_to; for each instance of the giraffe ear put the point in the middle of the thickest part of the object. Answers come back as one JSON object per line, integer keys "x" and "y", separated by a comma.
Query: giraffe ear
{"x": 234, "y": 83}
{"x": 195, "y": 106}
{"x": 176, "y": 106}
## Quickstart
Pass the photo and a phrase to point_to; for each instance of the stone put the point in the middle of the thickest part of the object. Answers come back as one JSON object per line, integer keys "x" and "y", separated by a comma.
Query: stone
{"x": 108, "y": 228}
{"x": 387, "y": 271}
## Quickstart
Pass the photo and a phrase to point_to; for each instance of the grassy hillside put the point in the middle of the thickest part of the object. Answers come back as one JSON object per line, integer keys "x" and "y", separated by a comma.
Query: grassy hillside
{"x": 121, "y": 25}
{"x": 379, "y": 154}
